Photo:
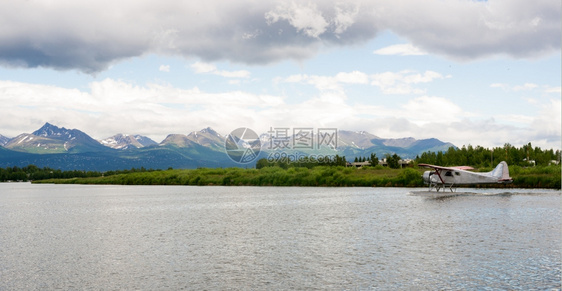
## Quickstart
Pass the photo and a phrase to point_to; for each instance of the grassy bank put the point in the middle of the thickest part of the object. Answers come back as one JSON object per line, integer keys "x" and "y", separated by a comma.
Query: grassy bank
{"x": 537, "y": 177}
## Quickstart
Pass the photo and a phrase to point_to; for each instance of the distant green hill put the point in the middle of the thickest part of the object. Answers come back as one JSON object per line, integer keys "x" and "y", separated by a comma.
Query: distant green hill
{"x": 151, "y": 157}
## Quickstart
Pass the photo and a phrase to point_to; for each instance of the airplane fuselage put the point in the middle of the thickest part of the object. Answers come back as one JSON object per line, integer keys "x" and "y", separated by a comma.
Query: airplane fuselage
{"x": 454, "y": 176}
{"x": 457, "y": 177}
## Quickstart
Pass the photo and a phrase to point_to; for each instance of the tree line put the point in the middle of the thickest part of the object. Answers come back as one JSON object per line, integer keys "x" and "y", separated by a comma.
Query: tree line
{"x": 332, "y": 176}
{"x": 32, "y": 172}
{"x": 338, "y": 176}
{"x": 478, "y": 156}
{"x": 393, "y": 161}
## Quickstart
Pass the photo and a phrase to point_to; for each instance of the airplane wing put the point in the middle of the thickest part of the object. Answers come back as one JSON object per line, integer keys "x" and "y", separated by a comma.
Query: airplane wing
{"x": 440, "y": 169}
{"x": 446, "y": 168}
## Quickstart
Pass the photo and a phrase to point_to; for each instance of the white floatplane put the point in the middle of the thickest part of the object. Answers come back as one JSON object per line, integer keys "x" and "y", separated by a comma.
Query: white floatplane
{"x": 451, "y": 177}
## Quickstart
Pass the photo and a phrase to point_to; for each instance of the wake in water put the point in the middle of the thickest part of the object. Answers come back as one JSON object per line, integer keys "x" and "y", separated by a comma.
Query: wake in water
{"x": 485, "y": 192}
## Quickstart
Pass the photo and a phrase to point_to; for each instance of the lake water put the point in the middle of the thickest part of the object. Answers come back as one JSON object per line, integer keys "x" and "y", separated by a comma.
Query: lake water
{"x": 275, "y": 238}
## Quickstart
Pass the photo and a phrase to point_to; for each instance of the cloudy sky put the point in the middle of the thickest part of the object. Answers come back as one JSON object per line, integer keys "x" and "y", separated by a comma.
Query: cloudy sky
{"x": 467, "y": 72}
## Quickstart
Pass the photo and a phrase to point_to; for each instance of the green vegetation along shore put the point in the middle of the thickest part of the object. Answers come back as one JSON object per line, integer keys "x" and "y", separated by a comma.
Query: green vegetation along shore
{"x": 530, "y": 177}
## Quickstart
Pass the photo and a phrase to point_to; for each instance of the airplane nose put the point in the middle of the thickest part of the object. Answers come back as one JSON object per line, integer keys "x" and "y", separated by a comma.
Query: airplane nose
{"x": 426, "y": 176}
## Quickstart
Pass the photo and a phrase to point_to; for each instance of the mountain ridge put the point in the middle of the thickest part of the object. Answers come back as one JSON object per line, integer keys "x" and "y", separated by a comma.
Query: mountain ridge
{"x": 53, "y": 139}
{"x": 59, "y": 147}
{"x": 124, "y": 141}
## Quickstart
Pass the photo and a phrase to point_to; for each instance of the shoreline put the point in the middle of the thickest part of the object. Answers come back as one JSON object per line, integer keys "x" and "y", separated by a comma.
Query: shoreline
{"x": 302, "y": 177}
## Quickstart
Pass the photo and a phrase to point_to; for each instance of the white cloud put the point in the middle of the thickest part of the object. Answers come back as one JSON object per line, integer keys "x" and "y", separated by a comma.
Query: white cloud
{"x": 500, "y": 85}
{"x": 202, "y": 68}
{"x": 346, "y": 15}
{"x": 333, "y": 83}
{"x": 389, "y": 82}
{"x": 400, "y": 49}
{"x": 164, "y": 68}
{"x": 401, "y": 82}
{"x": 467, "y": 30}
{"x": 546, "y": 125}
{"x": 426, "y": 109}
{"x": 114, "y": 106}
{"x": 294, "y": 78}
{"x": 83, "y": 35}
{"x": 526, "y": 87}
{"x": 554, "y": 90}
{"x": 233, "y": 74}
{"x": 354, "y": 77}
{"x": 305, "y": 17}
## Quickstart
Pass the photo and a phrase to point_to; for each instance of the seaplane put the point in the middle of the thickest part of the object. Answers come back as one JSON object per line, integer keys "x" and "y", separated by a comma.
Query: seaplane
{"x": 441, "y": 178}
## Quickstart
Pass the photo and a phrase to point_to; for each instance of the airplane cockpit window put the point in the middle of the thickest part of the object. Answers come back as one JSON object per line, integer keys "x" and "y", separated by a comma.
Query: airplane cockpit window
{"x": 457, "y": 173}
{"x": 449, "y": 174}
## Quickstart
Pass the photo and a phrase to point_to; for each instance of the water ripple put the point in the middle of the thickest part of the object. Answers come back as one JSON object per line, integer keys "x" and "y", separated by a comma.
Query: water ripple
{"x": 201, "y": 238}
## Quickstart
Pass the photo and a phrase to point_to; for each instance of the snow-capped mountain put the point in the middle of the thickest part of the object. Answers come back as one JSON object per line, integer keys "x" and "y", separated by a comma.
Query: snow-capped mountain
{"x": 49, "y": 130}
{"x": 53, "y": 139}
{"x": 125, "y": 141}
{"x": 4, "y": 140}
{"x": 206, "y": 137}
{"x": 356, "y": 139}
{"x": 26, "y": 142}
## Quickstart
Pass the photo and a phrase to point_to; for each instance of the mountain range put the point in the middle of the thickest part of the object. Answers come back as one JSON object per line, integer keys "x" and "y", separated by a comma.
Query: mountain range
{"x": 72, "y": 149}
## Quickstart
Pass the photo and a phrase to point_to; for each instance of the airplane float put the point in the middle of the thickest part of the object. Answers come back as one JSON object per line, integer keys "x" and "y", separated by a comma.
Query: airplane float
{"x": 450, "y": 177}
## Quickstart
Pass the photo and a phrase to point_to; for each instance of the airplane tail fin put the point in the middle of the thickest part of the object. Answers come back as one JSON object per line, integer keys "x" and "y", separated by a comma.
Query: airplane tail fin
{"x": 501, "y": 172}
